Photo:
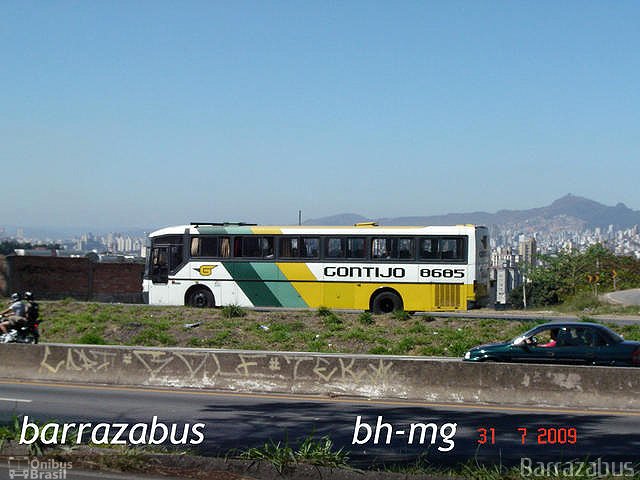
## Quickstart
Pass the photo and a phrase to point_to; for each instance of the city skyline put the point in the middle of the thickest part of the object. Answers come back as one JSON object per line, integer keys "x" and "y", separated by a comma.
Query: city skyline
{"x": 569, "y": 213}
{"x": 122, "y": 114}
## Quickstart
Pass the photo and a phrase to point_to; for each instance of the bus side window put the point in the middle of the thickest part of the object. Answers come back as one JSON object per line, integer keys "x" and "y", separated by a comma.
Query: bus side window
{"x": 405, "y": 248}
{"x": 288, "y": 247}
{"x": 429, "y": 248}
{"x": 355, "y": 248}
{"x": 335, "y": 248}
{"x": 311, "y": 247}
{"x": 249, "y": 247}
{"x": 267, "y": 247}
{"x": 381, "y": 248}
{"x": 225, "y": 247}
{"x": 195, "y": 247}
{"x": 204, "y": 247}
{"x": 452, "y": 248}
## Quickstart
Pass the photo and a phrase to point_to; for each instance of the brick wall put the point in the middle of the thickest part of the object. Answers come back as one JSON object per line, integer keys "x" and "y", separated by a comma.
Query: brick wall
{"x": 60, "y": 277}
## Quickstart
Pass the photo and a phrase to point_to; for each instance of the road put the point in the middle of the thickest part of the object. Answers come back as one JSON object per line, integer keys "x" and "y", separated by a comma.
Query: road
{"x": 624, "y": 297}
{"x": 238, "y": 421}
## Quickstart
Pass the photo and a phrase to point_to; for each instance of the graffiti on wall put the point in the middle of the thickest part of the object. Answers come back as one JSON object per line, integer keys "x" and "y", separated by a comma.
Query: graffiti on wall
{"x": 207, "y": 366}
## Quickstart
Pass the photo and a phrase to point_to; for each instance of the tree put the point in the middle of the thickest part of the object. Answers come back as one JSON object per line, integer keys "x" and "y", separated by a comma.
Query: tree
{"x": 565, "y": 275}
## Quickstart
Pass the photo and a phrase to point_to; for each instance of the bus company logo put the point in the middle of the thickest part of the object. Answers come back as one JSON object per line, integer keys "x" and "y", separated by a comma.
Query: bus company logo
{"x": 205, "y": 270}
{"x": 24, "y": 467}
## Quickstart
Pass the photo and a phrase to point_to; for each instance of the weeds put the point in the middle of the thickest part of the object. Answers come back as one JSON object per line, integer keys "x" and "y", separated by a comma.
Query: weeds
{"x": 283, "y": 456}
{"x": 321, "y": 331}
{"x": 332, "y": 322}
{"x": 233, "y": 311}
{"x": 365, "y": 318}
{"x": 11, "y": 433}
{"x": 321, "y": 453}
{"x": 401, "y": 315}
{"x": 92, "y": 338}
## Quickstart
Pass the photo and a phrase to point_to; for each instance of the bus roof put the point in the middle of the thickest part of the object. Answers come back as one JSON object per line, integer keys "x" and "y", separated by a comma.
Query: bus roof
{"x": 362, "y": 229}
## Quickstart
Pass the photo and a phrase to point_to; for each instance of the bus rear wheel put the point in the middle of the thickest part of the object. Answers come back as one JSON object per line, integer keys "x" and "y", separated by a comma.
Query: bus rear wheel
{"x": 386, "y": 302}
{"x": 201, "y": 298}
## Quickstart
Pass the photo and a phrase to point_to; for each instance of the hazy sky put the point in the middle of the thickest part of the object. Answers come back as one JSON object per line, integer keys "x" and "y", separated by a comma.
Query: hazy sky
{"x": 134, "y": 113}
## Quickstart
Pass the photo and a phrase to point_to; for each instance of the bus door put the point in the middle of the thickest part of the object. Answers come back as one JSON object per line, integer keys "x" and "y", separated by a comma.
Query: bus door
{"x": 159, "y": 275}
{"x": 166, "y": 260}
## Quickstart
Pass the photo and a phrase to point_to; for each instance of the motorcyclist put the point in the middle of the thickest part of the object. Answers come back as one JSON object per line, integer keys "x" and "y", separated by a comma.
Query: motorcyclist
{"x": 17, "y": 311}
{"x": 32, "y": 309}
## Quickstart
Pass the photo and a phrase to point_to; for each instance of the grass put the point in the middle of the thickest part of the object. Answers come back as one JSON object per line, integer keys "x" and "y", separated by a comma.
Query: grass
{"x": 284, "y": 457}
{"x": 314, "y": 331}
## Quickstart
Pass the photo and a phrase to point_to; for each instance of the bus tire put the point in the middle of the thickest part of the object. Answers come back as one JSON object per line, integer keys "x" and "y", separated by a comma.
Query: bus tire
{"x": 201, "y": 298}
{"x": 386, "y": 302}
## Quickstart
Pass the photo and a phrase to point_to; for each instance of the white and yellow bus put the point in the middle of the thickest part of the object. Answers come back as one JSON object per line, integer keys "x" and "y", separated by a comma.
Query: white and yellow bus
{"x": 364, "y": 267}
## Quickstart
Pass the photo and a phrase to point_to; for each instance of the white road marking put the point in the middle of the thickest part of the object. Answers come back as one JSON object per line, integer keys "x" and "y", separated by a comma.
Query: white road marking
{"x": 22, "y": 400}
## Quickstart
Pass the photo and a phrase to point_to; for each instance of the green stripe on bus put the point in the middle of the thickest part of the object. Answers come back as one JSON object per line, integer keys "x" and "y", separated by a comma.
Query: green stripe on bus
{"x": 221, "y": 230}
{"x": 251, "y": 284}
{"x": 284, "y": 291}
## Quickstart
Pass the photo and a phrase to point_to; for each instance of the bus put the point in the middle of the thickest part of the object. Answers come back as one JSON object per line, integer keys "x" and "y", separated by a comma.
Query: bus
{"x": 363, "y": 267}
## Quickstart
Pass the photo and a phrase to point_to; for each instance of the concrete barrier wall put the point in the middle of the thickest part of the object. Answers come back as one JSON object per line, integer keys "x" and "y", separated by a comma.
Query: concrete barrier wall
{"x": 370, "y": 376}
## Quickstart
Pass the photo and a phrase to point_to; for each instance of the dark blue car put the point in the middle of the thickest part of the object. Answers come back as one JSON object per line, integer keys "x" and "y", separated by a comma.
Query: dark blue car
{"x": 568, "y": 343}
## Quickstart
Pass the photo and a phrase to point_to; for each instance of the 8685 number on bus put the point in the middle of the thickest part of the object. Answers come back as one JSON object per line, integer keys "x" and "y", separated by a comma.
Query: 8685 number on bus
{"x": 442, "y": 272}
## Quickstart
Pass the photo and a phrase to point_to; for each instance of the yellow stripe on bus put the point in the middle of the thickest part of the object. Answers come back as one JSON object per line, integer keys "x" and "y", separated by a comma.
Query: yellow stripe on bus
{"x": 267, "y": 230}
{"x": 416, "y": 297}
{"x": 308, "y": 287}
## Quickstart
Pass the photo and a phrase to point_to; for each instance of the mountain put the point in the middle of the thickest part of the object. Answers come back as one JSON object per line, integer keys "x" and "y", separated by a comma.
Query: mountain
{"x": 340, "y": 219}
{"x": 568, "y": 212}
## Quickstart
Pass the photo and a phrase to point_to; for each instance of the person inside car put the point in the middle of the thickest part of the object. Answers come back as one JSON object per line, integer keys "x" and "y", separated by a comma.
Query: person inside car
{"x": 553, "y": 333}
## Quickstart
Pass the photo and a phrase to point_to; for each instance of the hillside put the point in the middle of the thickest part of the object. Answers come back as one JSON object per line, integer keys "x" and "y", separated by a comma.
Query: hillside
{"x": 570, "y": 210}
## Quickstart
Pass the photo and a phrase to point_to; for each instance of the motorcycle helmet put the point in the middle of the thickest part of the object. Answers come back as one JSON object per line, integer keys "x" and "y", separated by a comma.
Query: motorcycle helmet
{"x": 28, "y": 296}
{"x": 15, "y": 297}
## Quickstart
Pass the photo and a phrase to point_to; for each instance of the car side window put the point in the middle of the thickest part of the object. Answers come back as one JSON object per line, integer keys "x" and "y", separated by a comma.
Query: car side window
{"x": 546, "y": 338}
{"x": 590, "y": 337}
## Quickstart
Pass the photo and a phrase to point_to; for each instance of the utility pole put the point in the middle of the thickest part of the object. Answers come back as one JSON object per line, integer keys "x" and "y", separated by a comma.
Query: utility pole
{"x": 299, "y": 217}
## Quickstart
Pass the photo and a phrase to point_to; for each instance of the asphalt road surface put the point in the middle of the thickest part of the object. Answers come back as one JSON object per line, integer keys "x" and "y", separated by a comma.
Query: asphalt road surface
{"x": 239, "y": 421}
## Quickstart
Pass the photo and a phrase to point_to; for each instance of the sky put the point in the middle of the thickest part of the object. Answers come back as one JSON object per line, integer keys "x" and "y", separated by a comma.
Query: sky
{"x": 153, "y": 113}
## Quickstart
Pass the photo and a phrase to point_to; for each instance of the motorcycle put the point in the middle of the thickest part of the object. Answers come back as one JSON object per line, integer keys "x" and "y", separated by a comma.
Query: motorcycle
{"x": 28, "y": 333}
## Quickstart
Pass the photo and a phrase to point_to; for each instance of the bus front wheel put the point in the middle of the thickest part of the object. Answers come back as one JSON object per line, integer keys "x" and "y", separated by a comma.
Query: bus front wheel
{"x": 386, "y": 302}
{"x": 201, "y": 298}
